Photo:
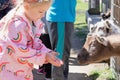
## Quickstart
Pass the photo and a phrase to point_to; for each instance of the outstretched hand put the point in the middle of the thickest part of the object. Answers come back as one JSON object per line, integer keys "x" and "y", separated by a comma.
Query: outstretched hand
{"x": 51, "y": 58}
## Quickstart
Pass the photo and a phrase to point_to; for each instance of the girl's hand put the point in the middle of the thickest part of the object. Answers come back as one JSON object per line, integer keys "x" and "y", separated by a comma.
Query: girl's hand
{"x": 51, "y": 58}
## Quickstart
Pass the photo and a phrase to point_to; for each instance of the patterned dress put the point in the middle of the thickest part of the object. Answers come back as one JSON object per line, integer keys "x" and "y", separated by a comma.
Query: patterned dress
{"x": 21, "y": 48}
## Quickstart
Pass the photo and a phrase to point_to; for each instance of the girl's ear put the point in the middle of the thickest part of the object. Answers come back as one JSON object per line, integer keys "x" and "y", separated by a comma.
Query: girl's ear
{"x": 26, "y": 5}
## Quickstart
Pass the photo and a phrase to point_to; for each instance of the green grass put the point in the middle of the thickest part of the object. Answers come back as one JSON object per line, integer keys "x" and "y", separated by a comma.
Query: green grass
{"x": 105, "y": 74}
{"x": 80, "y": 14}
{"x": 80, "y": 23}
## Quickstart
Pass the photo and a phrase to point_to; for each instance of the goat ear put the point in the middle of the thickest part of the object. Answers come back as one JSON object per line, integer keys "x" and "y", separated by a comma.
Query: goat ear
{"x": 108, "y": 25}
{"x": 102, "y": 40}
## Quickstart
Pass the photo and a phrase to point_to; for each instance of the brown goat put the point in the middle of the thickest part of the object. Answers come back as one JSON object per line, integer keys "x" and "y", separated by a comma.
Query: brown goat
{"x": 99, "y": 48}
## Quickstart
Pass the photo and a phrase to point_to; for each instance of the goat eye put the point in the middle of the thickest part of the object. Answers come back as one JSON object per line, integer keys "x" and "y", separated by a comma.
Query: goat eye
{"x": 101, "y": 28}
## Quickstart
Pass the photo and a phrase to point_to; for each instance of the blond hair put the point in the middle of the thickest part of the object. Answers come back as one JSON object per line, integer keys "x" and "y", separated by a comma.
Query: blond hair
{"x": 19, "y": 3}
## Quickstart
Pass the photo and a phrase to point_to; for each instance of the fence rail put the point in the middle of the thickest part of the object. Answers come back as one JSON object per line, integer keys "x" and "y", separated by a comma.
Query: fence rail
{"x": 116, "y": 11}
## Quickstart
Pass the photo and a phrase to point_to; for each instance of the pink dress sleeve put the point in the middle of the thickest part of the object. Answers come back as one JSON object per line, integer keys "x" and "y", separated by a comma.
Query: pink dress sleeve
{"x": 26, "y": 46}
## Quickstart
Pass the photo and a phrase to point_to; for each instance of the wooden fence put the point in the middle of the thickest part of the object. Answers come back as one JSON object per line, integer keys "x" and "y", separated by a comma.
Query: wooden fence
{"x": 116, "y": 11}
{"x": 115, "y": 61}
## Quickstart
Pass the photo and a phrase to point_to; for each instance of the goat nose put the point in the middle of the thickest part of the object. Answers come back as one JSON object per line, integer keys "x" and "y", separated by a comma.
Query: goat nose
{"x": 78, "y": 56}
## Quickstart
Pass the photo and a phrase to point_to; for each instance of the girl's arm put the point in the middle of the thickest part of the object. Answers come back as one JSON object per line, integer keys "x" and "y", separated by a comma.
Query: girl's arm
{"x": 18, "y": 39}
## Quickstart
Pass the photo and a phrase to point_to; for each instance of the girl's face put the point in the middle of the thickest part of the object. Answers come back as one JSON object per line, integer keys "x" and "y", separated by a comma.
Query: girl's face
{"x": 35, "y": 10}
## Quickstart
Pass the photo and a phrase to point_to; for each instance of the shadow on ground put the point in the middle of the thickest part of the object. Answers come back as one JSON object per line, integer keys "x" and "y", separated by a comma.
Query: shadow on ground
{"x": 73, "y": 61}
{"x": 81, "y": 76}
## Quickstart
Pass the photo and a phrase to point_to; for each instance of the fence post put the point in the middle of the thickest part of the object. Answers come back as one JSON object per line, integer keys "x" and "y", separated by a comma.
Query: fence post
{"x": 105, "y": 5}
{"x": 94, "y": 7}
{"x": 115, "y": 61}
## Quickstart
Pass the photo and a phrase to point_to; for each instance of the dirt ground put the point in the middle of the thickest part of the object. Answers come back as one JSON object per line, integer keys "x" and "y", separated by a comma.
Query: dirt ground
{"x": 76, "y": 71}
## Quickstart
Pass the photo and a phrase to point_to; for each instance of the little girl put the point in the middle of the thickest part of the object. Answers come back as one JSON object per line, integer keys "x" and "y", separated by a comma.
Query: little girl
{"x": 20, "y": 46}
